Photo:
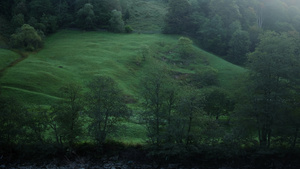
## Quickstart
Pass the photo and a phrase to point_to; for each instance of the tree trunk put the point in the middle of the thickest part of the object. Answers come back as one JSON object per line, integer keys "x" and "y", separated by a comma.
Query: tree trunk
{"x": 295, "y": 138}
{"x": 188, "y": 139}
{"x": 157, "y": 130}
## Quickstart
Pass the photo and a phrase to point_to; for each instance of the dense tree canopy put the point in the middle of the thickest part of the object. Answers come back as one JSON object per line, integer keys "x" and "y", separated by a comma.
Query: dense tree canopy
{"x": 214, "y": 23}
{"x": 274, "y": 64}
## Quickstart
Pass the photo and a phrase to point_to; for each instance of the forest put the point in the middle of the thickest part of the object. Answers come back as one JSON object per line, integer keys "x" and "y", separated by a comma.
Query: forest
{"x": 169, "y": 83}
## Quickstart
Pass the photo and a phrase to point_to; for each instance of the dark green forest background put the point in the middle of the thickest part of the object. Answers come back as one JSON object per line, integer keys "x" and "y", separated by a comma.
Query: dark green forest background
{"x": 261, "y": 115}
{"x": 227, "y": 28}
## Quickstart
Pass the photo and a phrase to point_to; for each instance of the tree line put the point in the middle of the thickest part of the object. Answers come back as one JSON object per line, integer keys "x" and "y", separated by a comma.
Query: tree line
{"x": 77, "y": 117}
{"x": 263, "y": 114}
{"x": 231, "y": 28}
{"x": 42, "y": 18}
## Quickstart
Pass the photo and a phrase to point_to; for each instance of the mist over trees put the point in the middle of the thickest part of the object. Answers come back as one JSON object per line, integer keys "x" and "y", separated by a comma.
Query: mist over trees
{"x": 230, "y": 28}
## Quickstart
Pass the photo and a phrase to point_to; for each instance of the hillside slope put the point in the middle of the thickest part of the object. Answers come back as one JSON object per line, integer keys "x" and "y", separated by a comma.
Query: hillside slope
{"x": 76, "y": 57}
{"x": 146, "y": 16}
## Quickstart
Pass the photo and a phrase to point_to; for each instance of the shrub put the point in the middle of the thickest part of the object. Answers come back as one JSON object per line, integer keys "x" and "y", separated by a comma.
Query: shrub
{"x": 26, "y": 37}
{"x": 128, "y": 29}
{"x": 206, "y": 77}
{"x": 185, "y": 47}
{"x": 116, "y": 22}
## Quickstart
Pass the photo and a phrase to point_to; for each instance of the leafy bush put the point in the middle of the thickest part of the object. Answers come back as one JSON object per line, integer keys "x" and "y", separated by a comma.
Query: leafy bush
{"x": 86, "y": 17}
{"x": 185, "y": 47}
{"x": 116, "y": 22}
{"x": 26, "y": 37}
{"x": 128, "y": 29}
{"x": 206, "y": 77}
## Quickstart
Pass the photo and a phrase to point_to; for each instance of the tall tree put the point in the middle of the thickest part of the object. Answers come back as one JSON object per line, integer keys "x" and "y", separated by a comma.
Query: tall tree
{"x": 27, "y": 37}
{"x": 217, "y": 103}
{"x": 191, "y": 106}
{"x": 228, "y": 10}
{"x": 67, "y": 115}
{"x": 238, "y": 47}
{"x": 86, "y": 17}
{"x": 273, "y": 65}
{"x": 12, "y": 121}
{"x": 178, "y": 19}
{"x": 212, "y": 35}
{"x": 159, "y": 100}
{"x": 106, "y": 106}
{"x": 38, "y": 8}
{"x": 116, "y": 22}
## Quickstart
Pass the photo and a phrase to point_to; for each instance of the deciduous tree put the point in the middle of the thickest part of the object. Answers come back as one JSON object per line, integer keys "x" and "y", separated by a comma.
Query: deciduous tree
{"x": 273, "y": 66}
{"x": 106, "y": 106}
{"x": 67, "y": 115}
{"x": 116, "y": 22}
{"x": 27, "y": 37}
{"x": 86, "y": 17}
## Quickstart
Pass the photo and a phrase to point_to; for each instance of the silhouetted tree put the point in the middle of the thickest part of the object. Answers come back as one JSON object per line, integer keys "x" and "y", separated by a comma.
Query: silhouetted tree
{"x": 86, "y": 17}
{"x": 273, "y": 66}
{"x": 116, "y": 22}
{"x": 217, "y": 103}
{"x": 27, "y": 37}
{"x": 106, "y": 106}
{"x": 178, "y": 17}
{"x": 239, "y": 47}
{"x": 67, "y": 115}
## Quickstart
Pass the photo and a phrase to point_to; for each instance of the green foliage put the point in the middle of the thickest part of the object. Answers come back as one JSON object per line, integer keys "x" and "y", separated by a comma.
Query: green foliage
{"x": 38, "y": 8}
{"x": 7, "y": 57}
{"x": 116, "y": 22}
{"x": 178, "y": 17}
{"x": 158, "y": 95}
{"x": 228, "y": 10}
{"x": 273, "y": 66}
{"x": 212, "y": 35}
{"x": 50, "y": 23}
{"x": 67, "y": 124}
{"x": 18, "y": 20}
{"x": 217, "y": 103}
{"x": 37, "y": 127}
{"x": 191, "y": 108}
{"x": 128, "y": 29}
{"x": 27, "y": 38}
{"x": 153, "y": 92}
{"x": 145, "y": 16}
{"x": 205, "y": 77}
{"x": 12, "y": 121}
{"x": 106, "y": 107}
{"x": 86, "y": 17}
{"x": 239, "y": 47}
{"x": 185, "y": 47}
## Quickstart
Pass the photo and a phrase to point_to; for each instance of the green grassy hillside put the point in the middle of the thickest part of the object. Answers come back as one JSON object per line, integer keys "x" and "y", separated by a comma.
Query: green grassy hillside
{"x": 7, "y": 57}
{"x": 76, "y": 57}
{"x": 146, "y": 16}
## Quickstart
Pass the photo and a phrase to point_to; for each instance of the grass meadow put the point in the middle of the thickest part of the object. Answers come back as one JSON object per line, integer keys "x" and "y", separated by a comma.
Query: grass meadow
{"x": 71, "y": 56}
